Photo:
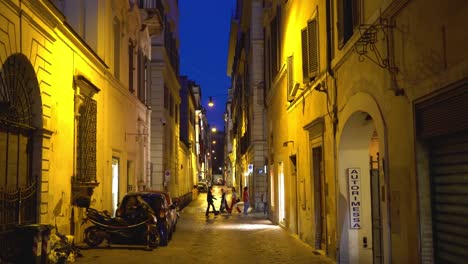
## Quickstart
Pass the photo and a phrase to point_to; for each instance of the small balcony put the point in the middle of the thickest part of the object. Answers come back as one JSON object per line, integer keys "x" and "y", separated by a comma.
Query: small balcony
{"x": 152, "y": 12}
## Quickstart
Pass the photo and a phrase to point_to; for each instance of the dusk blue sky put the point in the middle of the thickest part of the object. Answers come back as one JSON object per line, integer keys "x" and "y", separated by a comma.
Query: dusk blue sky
{"x": 204, "y": 37}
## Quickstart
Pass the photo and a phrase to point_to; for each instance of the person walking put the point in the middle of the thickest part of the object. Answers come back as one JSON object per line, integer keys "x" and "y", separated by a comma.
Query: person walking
{"x": 209, "y": 199}
{"x": 234, "y": 200}
{"x": 265, "y": 202}
{"x": 223, "y": 204}
{"x": 245, "y": 196}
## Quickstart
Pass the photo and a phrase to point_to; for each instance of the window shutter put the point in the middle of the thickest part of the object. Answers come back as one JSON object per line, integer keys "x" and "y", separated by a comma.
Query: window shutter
{"x": 291, "y": 92}
{"x": 313, "y": 48}
{"x": 305, "y": 63}
{"x": 290, "y": 74}
{"x": 274, "y": 48}
{"x": 130, "y": 67}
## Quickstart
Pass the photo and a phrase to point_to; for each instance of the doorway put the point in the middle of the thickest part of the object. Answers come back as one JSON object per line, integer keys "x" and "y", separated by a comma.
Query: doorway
{"x": 281, "y": 195}
{"x": 319, "y": 198}
{"x": 360, "y": 177}
{"x": 115, "y": 184}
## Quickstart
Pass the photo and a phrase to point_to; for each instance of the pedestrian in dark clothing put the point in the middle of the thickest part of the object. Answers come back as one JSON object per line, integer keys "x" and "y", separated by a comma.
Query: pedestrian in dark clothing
{"x": 209, "y": 199}
{"x": 224, "y": 204}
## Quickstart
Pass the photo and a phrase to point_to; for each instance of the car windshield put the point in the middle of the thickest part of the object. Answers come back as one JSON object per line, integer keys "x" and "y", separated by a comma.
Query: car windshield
{"x": 153, "y": 200}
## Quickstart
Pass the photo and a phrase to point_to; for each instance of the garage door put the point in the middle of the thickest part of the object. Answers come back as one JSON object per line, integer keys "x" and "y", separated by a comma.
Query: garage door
{"x": 449, "y": 180}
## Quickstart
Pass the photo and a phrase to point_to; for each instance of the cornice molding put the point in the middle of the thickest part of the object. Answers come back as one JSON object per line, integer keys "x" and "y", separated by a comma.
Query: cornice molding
{"x": 48, "y": 14}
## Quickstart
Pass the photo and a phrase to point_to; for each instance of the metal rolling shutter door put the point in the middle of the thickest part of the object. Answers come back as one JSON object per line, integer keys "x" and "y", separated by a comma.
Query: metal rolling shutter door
{"x": 449, "y": 176}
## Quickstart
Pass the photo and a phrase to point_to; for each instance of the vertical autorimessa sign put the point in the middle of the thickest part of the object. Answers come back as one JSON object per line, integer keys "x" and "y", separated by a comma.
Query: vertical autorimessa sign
{"x": 354, "y": 180}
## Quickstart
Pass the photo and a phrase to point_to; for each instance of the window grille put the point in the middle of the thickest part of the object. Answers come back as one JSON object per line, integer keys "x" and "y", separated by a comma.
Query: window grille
{"x": 86, "y": 156}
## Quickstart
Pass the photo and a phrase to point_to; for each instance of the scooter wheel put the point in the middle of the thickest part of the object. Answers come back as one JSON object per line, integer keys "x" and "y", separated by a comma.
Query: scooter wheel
{"x": 153, "y": 239}
{"x": 91, "y": 238}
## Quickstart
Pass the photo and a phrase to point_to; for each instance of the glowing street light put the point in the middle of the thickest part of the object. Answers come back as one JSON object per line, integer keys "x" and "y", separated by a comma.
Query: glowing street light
{"x": 213, "y": 142}
{"x": 210, "y": 102}
{"x": 213, "y": 129}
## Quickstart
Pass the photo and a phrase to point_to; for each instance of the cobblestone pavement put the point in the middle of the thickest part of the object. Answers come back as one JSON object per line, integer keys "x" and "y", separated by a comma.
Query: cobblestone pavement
{"x": 217, "y": 239}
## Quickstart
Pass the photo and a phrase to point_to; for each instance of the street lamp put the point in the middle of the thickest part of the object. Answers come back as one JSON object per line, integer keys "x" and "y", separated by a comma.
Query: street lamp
{"x": 210, "y": 102}
{"x": 213, "y": 129}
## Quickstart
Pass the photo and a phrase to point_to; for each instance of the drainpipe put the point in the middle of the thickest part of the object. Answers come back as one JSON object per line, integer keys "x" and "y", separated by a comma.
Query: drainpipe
{"x": 334, "y": 114}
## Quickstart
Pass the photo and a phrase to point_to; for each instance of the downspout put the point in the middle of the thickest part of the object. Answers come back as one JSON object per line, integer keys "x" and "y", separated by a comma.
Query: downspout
{"x": 334, "y": 114}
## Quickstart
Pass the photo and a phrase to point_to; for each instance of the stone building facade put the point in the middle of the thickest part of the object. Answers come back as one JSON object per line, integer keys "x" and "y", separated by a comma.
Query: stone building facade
{"x": 364, "y": 123}
{"x": 245, "y": 67}
{"x": 74, "y": 118}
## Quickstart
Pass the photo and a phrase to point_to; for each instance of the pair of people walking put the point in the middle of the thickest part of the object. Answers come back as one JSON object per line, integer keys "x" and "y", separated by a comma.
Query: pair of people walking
{"x": 209, "y": 198}
{"x": 235, "y": 201}
{"x": 224, "y": 204}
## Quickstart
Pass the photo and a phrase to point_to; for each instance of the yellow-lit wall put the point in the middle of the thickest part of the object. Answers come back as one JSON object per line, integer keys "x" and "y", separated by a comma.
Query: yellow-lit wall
{"x": 58, "y": 56}
{"x": 428, "y": 40}
{"x": 287, "y": 135}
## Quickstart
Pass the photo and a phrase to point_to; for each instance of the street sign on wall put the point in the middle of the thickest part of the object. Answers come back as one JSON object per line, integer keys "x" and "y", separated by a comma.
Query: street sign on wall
{"x": 355, "y": 209}
{"x": 250, "y": 168}
{"x": 167, "y": 176}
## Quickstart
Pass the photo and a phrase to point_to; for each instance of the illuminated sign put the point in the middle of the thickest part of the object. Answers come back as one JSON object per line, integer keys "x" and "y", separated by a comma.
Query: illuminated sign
{"x": 250, "y": 168}
{"x": 355, "y": 213}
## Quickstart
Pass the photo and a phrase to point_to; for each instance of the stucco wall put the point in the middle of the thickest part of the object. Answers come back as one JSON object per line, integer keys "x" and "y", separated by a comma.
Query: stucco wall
{"x": 58, "y": 57}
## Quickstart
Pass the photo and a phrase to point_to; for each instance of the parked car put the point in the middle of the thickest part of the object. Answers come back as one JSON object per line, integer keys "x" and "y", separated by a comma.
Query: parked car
{"x": 202, "y": 187}
{"x": 159, "y": 204}
{"x": 219, "y": 181}
{"x": 173, "y": 209}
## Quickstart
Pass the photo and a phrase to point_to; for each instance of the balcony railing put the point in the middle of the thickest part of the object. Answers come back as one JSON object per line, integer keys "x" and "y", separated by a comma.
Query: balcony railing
{"x": 152, "y": 4}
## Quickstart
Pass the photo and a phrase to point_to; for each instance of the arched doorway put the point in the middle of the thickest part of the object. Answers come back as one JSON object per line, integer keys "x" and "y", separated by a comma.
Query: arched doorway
{"x": 360, "y": 179}
{"x": 20, "y": 144}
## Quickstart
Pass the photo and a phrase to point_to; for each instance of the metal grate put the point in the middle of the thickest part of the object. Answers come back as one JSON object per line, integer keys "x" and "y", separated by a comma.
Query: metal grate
{"x": 87, "y": 141}
{"x": 18, "y": 188}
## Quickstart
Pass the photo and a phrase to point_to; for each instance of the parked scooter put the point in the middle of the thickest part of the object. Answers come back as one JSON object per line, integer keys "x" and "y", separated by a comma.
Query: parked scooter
{"x": 139, "y": 227}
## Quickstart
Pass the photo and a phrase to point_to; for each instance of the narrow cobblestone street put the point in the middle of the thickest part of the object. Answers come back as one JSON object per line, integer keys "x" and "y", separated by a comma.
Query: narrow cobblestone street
{"x": 218, "y": 239}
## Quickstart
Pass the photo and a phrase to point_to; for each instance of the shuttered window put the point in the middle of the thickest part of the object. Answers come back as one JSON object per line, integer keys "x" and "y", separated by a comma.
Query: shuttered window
{"x": 313, "y": 47}
{"x": 141, "y": 69}
{"x": 130, "y": 67}
{"x": 274, "y": 47}
{"x": 310, "y": 52}
{"x": 290, "y": 75}
{"x": 305, "y": 56}
{"x": 292, "y": 85}
{"x": 117, "y": 33}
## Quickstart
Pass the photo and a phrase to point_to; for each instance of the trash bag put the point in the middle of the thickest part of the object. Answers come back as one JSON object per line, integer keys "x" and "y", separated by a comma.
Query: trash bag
{"x": 63, "y": 249}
